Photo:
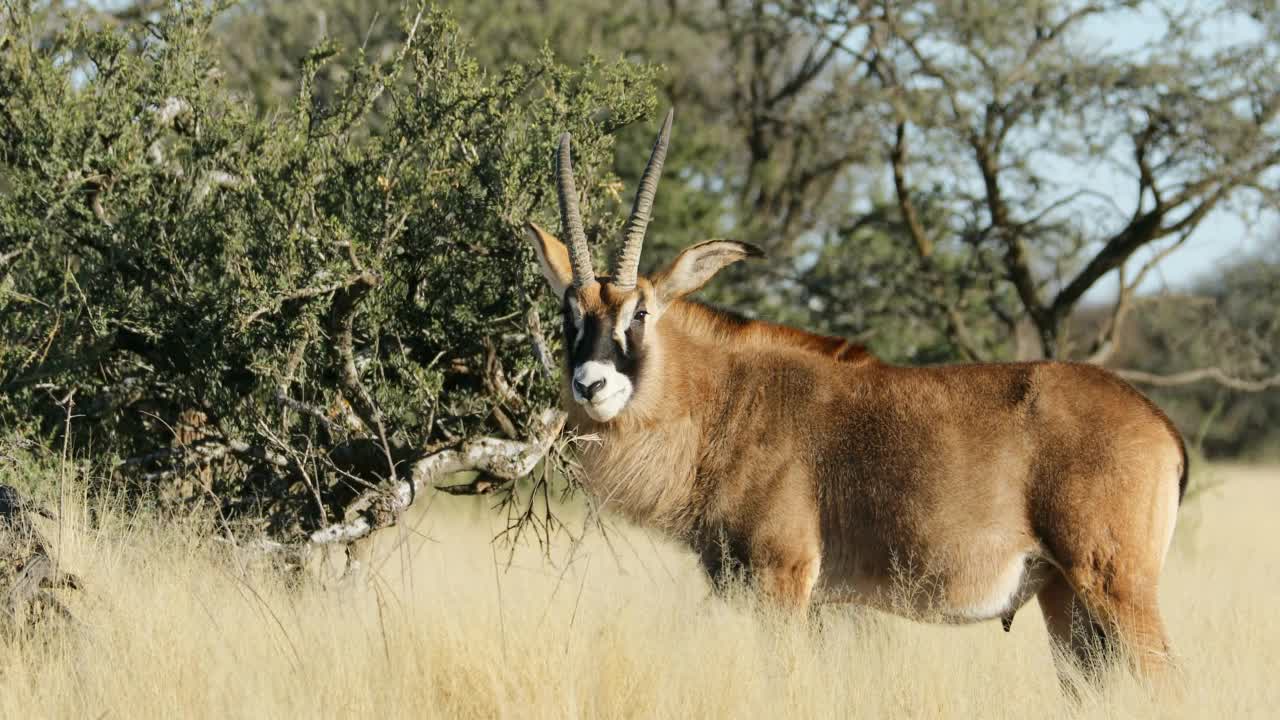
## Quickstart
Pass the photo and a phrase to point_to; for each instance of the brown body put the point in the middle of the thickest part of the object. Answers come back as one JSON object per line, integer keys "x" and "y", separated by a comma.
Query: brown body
{"x": 951, "y": 494}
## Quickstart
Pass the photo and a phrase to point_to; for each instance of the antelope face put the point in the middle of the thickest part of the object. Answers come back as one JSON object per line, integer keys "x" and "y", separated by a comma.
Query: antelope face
{"x": 611, "y": 323}
{"x": 605, "y": 349}
{"x": 613, "y": 334}
{"x": 609, "y": 331}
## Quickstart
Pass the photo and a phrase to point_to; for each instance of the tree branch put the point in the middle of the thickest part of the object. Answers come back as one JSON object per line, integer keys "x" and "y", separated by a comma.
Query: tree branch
{"x": 342, "y": 318}
{"x": 504, "y": 459}
{"x": 1142, "y": 230}
{"x": 957, "y": 329}
{"x": 1104, "y": 342}
{"x": 304, "y": 294}
{"x": 12, "y": 255}
{"x": 1216, "y": 374}
{"x": 898, "y": 157}
{"x": 930, "y": 70}
{"x": 810, "y": 67}
{"x": 958, "y": 332}
{"x": 1044, "y": 38}
{"x": 539, "y": 341}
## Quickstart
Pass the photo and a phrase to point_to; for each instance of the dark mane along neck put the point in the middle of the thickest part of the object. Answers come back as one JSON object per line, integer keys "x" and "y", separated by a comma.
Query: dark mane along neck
{"x": 724, "y": 325}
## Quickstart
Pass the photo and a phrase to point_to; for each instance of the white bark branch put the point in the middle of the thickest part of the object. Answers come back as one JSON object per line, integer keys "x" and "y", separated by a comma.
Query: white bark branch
{"x": 504, "y": 459}
{"x": 1216, "y": 374}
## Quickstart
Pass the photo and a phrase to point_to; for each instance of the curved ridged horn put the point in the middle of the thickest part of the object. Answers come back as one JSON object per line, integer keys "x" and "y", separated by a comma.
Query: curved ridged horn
{"x": 628, "y": 262}
{"x": 571, "y": 218}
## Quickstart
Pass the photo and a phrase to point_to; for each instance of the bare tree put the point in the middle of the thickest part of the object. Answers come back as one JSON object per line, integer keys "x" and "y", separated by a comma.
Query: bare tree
{"x": 1003, "y": 116}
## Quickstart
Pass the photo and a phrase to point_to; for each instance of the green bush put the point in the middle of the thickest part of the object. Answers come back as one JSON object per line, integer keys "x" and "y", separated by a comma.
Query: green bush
{"x": 179, "y": 268}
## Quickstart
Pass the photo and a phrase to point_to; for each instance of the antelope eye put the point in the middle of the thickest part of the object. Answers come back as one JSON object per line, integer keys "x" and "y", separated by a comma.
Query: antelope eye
{"x": 639, "y": 316}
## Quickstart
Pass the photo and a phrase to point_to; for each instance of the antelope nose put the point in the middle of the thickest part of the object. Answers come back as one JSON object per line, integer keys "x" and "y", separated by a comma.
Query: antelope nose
{"x": 587, "y": 391}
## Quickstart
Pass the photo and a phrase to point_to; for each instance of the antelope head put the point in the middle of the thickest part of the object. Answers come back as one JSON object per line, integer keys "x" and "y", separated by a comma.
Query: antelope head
{"x": 613, "y": 323}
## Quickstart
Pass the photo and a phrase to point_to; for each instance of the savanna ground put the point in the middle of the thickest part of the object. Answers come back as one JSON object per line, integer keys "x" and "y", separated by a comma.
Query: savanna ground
{"x": 172, "y": 624}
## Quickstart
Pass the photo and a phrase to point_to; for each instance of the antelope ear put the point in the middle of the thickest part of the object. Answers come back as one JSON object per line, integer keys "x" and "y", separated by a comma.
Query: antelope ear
{"x": 553, "y": 258}
{"x": 696, "y": 265}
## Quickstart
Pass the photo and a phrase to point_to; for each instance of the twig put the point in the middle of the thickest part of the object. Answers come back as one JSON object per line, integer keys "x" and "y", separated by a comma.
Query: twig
{"x": 1187, "y": 377}
{"x": 304, "y": 294}
{"x": 313, "y": 412}
{"x": 540, "y": 349}
{"x": 400, "y": 56}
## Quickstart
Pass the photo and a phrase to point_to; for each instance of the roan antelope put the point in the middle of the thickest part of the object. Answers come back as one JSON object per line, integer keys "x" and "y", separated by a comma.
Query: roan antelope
{"x": 951, "y": 494}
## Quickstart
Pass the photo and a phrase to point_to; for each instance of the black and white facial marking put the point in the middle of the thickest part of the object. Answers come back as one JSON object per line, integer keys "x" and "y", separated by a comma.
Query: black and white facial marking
{"x": 605, "y": 352}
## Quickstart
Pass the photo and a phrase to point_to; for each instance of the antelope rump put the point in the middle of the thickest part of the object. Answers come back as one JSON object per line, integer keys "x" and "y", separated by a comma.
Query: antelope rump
{"x": 951, "y": 493}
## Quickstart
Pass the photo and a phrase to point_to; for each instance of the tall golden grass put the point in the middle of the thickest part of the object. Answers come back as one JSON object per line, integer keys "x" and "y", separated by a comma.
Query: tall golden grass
{"x": 173, "y": 625}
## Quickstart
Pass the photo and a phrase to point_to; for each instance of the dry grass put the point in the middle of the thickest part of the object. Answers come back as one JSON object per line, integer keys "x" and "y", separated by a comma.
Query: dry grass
{"x": 174, "y": 627}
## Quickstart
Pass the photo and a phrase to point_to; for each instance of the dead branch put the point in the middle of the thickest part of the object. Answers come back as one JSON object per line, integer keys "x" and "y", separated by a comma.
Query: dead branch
{"x": 482, "y": 485}
{"x": 27, "y": 570}
{"x": 1216, "y": 374}
{"x": 506, "y": 460}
